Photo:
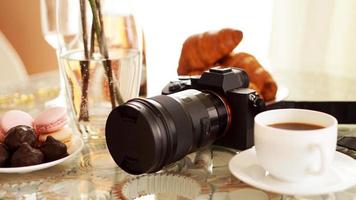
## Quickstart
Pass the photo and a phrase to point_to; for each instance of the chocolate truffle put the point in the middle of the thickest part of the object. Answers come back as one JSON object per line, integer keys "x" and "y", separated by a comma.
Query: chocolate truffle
{"x": 4, "y": 155}
{"x": 53, "y": 149}
{"x": 25, "y": 155}
{"x": 18, "y": 135}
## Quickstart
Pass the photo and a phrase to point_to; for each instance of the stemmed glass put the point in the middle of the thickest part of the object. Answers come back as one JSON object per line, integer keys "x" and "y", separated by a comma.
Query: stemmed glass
{"x": 49, "y": 30}
{"x": 49, "y": 25}
{"x": 48, "y": 21}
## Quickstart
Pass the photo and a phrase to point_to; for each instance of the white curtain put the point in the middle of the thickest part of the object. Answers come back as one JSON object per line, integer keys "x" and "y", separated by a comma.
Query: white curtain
{"x": 316, "y": 35}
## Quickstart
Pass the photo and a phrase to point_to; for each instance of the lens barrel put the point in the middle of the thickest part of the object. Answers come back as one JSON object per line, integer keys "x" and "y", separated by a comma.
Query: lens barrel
{"x": 144, "y": 135}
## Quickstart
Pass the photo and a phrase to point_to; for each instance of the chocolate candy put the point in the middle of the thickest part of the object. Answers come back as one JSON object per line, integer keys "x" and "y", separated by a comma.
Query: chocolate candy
{"x": 18, "y": 135}
{"x": 25, "y": 155}
{"x": 53, "y": 149}
{"x": 4, "y": 155}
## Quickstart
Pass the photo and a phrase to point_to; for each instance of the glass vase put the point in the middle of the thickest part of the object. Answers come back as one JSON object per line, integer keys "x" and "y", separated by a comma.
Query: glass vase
{"x": 101, "y": 59}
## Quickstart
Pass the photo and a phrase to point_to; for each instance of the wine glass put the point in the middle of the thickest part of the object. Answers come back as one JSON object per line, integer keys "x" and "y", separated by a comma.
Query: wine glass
{"x": 49, "y": 29}
{"x": 49, "y": 26}
{"x": 48, "y": 21}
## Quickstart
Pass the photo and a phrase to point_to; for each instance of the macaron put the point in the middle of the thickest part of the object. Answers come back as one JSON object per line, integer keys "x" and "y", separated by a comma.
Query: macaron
{"x": 50, "y": 120}
{"x": 14, "y": 118}
{"x": 2, "y": 136}
{"x": 63, "y": 135}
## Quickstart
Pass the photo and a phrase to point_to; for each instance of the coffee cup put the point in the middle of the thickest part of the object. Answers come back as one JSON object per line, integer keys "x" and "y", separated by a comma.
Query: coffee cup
{"x": 295, "y": 144}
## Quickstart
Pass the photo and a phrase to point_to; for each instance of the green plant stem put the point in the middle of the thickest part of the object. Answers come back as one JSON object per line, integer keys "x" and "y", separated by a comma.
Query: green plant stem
{"x": 99, "y": 30}
{"x": 92, "y": 40}
{"x": 84, "y": 28}
{"x": 117, "y": 91}
{"x": 84, "y": 68}
{"x": 84, "y": 109}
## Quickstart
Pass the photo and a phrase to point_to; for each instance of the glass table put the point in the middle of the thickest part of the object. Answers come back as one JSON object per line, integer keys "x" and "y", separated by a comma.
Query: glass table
{"x": 92, "y": 174}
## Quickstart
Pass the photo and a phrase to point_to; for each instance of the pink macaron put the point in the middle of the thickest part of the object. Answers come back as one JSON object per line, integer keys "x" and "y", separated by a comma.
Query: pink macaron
{"x": 50, "y": 120}
{"x": 14, "y": 118}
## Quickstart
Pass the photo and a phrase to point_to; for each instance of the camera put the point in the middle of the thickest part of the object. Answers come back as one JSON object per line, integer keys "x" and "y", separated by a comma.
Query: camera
{"x": 145, "y": 134}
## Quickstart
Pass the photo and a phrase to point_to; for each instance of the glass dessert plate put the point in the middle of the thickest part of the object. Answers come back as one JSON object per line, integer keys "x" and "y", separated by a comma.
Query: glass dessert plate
{"x": 73, "y": 150}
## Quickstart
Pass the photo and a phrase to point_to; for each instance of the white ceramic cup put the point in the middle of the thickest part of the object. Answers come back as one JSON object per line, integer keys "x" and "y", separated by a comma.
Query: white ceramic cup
{"x": 295, "y": 155}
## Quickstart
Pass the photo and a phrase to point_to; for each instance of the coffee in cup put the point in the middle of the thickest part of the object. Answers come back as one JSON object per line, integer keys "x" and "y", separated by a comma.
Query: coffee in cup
{"x": 295, "y": 144}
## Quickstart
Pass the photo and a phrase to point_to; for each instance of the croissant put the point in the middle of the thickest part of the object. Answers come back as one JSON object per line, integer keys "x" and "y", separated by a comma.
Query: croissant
{"x": 201, "y": 51}
{"x": 258, "y": 76}
{"x": 205, "y": 50}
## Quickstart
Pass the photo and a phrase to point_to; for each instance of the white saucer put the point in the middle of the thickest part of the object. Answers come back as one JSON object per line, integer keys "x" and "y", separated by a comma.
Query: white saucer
{"x": 342, "y": 175}
{"x": 282, "y": 94}
{"x": 74, "y": 149}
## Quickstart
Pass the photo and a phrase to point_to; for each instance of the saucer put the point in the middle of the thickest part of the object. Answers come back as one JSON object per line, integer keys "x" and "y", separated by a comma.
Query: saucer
{"x": 340, "y": 176}
{"x": 282, "y": 94}
{"x": 74, "y": 149}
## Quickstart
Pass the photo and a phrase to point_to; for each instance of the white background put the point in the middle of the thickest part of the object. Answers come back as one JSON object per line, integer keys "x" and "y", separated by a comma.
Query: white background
{"x": 311, "y": 35}
{"x": 167, "y": 24}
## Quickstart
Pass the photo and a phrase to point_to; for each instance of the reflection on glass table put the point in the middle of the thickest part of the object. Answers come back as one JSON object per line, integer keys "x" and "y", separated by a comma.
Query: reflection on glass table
{"x": 92, "y": 174}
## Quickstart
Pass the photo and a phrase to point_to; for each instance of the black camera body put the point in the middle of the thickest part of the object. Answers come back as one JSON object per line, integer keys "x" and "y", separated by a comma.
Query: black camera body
{"x": 244, "y": 103}
{"x": 145, "y": 134}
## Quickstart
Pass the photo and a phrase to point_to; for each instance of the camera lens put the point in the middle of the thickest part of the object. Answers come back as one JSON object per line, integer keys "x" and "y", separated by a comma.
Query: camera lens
{"x": 144, "y": 135}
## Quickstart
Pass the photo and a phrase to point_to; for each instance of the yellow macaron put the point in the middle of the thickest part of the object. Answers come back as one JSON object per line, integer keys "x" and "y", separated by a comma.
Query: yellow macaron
{"x": 63, "y": 135}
